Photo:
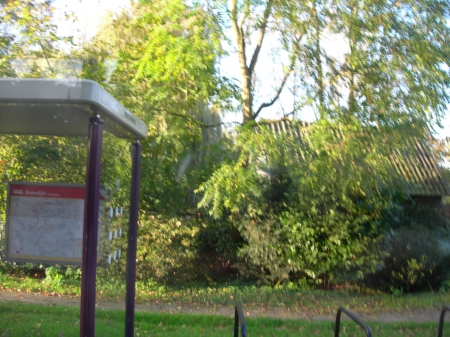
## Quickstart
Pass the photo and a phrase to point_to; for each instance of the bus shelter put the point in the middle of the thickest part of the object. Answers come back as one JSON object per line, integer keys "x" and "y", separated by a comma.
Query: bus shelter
{"x": 80, "y": 108}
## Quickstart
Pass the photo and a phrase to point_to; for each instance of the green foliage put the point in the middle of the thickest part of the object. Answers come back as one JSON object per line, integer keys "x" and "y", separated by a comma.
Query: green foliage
{"x": 165, "y": 74}
{"x": 166, "y": 249}
{"x": 40, "y": 159}
{"x": 236, "y": 186}
{"x": 178, "y": 43}
{"x": 319, "y": 206}
{"x": 176, "y": 250}
{"x": 115, "y": 168}
{"x": 417, "y": 260}
{"x": 394, "y": 66}
{"x": 333, "y": 186}
{"x": 417, "y": 252}
{"x": 43, "y": 158}
{"x": 391, "y": 69}
{"x": 412, "y": 214}
{"x": 169, "y": 60}
{"x": 56, "y": 277}
{"x": 62, "y": 160}
{"x": 217, "y": 246}
{"x": 313, "y": 207}
{"x": 164, "y": 151}
{"x": 21, "y": 270}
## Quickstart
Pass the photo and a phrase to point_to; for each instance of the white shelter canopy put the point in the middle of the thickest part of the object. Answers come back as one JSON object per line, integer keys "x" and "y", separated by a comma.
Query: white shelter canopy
{"x": 62, "y": 108}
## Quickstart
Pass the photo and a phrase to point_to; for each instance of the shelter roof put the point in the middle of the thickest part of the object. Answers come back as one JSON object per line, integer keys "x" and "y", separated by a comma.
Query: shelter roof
{"x": 62, "y": 108}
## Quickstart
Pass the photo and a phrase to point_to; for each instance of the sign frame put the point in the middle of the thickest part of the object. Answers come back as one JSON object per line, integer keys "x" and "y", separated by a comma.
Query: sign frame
{"x": 50, "y": 191}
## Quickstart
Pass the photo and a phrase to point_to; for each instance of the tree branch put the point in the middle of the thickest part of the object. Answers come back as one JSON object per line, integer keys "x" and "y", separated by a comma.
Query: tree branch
{"x": 45, "y": 55}
{"x": 262, "y": 32}
{"x": 283, "y": 82}
{"x": 193, "y": 119}
{"x": 277, "y": 96}
{"x": 285, "y": 115}
{"x": 219, "y": 124}
{"x": 237, "y": 28}
{"x": 241, "y": 21}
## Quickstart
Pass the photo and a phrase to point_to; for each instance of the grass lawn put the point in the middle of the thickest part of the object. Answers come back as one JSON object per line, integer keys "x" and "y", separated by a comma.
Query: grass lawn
{"x": 316, "y": 302}
{"x": 20, "y": 319}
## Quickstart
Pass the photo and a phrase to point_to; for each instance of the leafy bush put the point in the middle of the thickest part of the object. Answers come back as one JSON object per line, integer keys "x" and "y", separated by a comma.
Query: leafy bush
{"x": 310, "y": 206}
{"x": 417, "y": 260}
{"x": 217, "y": 247}
{"x": 180, "y": 249}
{"x": 409, "y": 213}
{"x": 57, "y": 276}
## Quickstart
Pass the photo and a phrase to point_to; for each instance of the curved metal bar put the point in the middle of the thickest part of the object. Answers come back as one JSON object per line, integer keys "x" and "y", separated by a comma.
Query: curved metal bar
{"x": 354, "y": 318}
{"x": 445, "y": 308}
{"x": 239, "y": 320}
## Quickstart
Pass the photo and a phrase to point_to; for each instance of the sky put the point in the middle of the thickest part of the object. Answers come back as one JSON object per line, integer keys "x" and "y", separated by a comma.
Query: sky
{"x": 90, "y": 12}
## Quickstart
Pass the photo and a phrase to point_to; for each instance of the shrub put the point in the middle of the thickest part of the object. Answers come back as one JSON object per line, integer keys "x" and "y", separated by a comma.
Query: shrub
{"x": 310, "y": 205}
{"x": 217, "y": 247}
{"x": 178, "y": 250}
{"x": 56, "y": 276}
{"x": 417, "y": 260}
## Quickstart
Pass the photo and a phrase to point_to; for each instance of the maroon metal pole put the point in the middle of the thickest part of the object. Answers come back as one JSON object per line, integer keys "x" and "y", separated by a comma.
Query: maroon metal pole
{"x": 132, "y": 240}
{"x": 90, "y": 228}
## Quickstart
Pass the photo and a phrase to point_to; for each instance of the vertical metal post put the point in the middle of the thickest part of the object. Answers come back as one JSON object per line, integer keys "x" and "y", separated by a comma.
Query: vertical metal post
{"x": 90, "y": 228}
{"x": 132, "y": 239}
{"x": 445, "y": 308}
{"x": 239, "y": 321}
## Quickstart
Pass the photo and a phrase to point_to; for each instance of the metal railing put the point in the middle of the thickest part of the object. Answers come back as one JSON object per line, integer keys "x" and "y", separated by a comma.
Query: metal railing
{"x": 354, "y": 318}
{"x": 445, "y": 308}
{"x": 239, "y": 321}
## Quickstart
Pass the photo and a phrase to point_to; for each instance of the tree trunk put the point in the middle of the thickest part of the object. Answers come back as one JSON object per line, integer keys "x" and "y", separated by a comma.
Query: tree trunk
{"x": 247, "y": 99}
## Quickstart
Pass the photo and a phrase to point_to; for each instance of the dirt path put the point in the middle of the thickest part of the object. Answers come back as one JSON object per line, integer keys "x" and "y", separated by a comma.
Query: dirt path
{"x": 284, "y": 313}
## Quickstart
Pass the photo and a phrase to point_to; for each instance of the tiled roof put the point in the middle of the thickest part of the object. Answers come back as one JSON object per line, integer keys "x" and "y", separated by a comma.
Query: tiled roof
{"x": 420, "y": 170}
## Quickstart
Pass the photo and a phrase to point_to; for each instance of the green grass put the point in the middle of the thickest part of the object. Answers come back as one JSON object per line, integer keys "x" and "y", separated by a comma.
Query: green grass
{"x": 18, "y": 319}
{"x": 311, "y": 301}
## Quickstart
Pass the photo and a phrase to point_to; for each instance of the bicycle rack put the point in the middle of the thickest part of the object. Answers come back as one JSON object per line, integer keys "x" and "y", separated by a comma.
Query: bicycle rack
{"x": 445, "y": 308}
{"x": 239, "y": 320}
{"x": 354, "y": 318}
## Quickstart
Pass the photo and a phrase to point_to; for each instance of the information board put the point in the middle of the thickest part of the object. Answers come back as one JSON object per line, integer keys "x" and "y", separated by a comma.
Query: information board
{"x": 44, "y": 223}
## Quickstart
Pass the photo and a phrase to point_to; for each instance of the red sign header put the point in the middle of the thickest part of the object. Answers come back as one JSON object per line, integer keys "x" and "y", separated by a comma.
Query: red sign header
{"x": 47, "y": 191}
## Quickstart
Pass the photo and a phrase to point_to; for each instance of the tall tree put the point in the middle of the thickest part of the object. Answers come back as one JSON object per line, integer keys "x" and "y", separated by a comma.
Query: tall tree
{"x": 396, "y": 68}
{"x": 389, "y": 81}
{"x": 166, "y": 55}
{"x": 251, "y": 22}
{"x": 391, "y": 66}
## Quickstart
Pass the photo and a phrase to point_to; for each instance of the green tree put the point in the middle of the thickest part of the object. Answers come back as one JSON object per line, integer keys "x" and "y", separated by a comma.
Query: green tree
{"x": 165, "y": 54}
{"x": 389, "y": 83}
{"x": 391, "y": 67}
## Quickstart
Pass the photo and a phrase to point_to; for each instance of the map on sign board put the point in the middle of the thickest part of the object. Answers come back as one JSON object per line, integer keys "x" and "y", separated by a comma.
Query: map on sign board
{"x": 44, "y": 223}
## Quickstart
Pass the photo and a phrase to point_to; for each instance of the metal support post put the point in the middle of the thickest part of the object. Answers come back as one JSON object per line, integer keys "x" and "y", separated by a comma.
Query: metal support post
{"x": 90, "y": 228}
{"x": 132, "y": 239}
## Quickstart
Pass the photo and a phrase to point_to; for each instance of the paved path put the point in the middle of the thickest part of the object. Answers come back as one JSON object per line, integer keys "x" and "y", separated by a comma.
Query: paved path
{"x": 284, "y": 313}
